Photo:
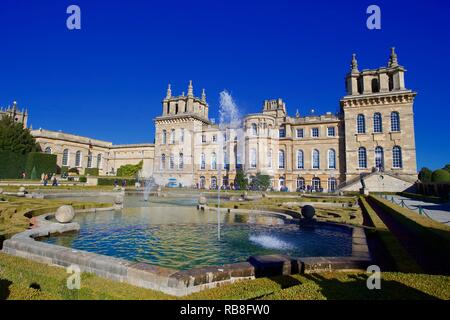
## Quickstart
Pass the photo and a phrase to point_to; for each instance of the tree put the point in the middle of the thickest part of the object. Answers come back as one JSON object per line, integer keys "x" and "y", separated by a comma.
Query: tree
{"x": 15, "y": 138}
{"x": 241, "y": 180}
{"x": 425, "y": 174}
{"x": 440, "y": 175}
{"x": 260, "y": 182}
{"x": 447, "y": 167}
{"x": 129, "y": 170}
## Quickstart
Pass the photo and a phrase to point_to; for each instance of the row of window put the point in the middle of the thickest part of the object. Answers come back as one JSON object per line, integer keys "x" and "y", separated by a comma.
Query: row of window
{"x": 315, "y": 132}
{"x": 172, "y": 136}
{"x": 78, "y": 157}
{"x": 397, "y": 162}
{"x": 378, "y": 123}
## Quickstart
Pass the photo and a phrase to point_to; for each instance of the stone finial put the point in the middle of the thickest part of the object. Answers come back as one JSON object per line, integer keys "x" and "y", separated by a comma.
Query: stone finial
{"x": 297, "y": 114}
{"x": 169, "y": 92}
{"x": 203, "y": 95}
{"x": 354, "y": 64}
{"x": 393, "y": 60}
{"x": 190, "y": 89}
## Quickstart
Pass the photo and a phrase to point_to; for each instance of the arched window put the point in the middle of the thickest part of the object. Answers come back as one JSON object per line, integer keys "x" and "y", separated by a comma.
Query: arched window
{"x": 202, "y": 161}
{"x": 99, "y": 160}
{"x": 65, "y": 158}
{"x": 362, "y": 157}
{"x": 252, "y": 158}
{"x": 361, "y": 124}
{"x": 180, "y": 161}
{"x": 316, "y": 184}
{"x": 315, "y": 159}
{"x": 269, "y": 159}
{"x": 397, "y": 157}
{"x": 300, "y": 160}
{"x": 377, "y": 124}
{"x": 281, "y": 159}
{"x": 172, "y": 136}
{"x": 164, "y": 136}
{"x": 213, "y": 183}
{"x": 182, "y": 135}
{"x": 395, "y": 121}
{"x": 332, "y": 185}
{"x": 171, "y": 162}
{"x": 89, "y": 160}
{"x": 163, "y": 161}
{"x": 375, "y": 86}
{"x": 213, "y": 161}
{"x": 331, "y": 159}
{"x": 202, "y": 182}
{"x": 379, "y": 158}
{"x": 78, "y": 159}
{"x": 48, "y": 150}
{"x": 254, "y": 129}
{"x": 300, "y": 183}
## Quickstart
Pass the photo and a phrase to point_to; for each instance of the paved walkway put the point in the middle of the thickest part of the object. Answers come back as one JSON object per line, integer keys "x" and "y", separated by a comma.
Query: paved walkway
{"x": 436, "y": 211}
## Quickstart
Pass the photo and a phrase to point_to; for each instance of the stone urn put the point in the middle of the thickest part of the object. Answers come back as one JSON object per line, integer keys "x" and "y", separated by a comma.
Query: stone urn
{"x": 202, "y": 200}
{"x": 22, "y": 189}
{"x": 64, "y": 214}
{"x": 308, "y": 212}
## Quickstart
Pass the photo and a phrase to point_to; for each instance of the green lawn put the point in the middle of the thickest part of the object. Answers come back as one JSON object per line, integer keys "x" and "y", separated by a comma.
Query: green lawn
{"x": 24, "y": 279}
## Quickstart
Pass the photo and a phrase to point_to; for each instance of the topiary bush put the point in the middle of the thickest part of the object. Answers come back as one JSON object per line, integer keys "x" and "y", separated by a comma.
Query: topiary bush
{"x": 440, "y": 175}
{"x": 43, "y": 162}
{"x": 91, "y": 171}
{"x": 129, "y": 170}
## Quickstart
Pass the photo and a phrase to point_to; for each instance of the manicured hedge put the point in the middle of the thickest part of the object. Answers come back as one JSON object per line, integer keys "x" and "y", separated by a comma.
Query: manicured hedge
{"x": 403, "y": 261}
{"x": 42, "y": 162}
{"x": 11, "y": 165}
{"x": 421, "y": 197}
{"x": 110, "y": 181}
{"x": 91, "y": 171}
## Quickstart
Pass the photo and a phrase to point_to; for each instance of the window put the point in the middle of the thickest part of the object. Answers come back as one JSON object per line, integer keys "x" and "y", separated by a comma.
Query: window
{"x": 395, "y": 121}
{"x": 331, "y": 159}
{"x": 269, "y": 159}
{"x": 315, "y": 132}
{"x": 377, "y": 124}
{"x": 65, "y": 158}
{"x": 316, "y": 184}
{"x": 213, "y": 161}
{"x": 332, "y": 184}
{"x": 89, "y": 160}
{"x": 282, "y": 132}
{"x": 225, "y": 137}
{"x": 300, "y": 183}
{"x": 180, "y": 161}
{"x": 163, "y": 161}
{"x": 203, "y": 138}
{"x": 397, "y": 157}
{"x": 331, "y": 131}
{"x": 99, "y": 160}
{"x": 202, "y": 161}
{"x": 300, "y": 160}
{"x": 182, "y": 135}
{"x": 362, "y": 158}
{"x": 379, "y": 157}
{"x": 281, "y": 159}
{"x": 171, "y": 162}
{"x": 254, "y": 129}
{"x": 172, "y": 136}
{"x": 375, "y": 86}
{"x": 213, "y": 183}
{"x": 164, "y": 137}
{"x": 214, "y": 138}
{"x": 48, "y": 150}
{"x": 252, "y": 158}
{"x": 300, "y": 133}
{"x": 315, "y": 159}
{"x": 78, "y": 159}
{"x": 202, "y": 182}
{"x": 361, "y": 124}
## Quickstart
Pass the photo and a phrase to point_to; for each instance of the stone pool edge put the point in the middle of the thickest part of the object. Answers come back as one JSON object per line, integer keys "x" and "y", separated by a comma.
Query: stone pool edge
{"x": 172, "y": 281}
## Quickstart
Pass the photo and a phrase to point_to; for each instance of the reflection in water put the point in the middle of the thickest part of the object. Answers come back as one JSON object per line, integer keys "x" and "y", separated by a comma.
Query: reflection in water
{"x": 179, "y": 236}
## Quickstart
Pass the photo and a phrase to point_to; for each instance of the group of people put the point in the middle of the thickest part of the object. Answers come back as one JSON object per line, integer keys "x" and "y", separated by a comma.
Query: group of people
{"x": 45, "y": 178}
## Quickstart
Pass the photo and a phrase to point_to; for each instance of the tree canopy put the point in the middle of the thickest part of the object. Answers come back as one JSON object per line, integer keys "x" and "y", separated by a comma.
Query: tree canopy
{"x": 15, "y": 138}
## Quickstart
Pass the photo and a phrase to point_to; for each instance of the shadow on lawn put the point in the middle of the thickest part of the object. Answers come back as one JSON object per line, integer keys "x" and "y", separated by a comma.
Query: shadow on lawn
{"x": 356, "y": 288}
{"x": 4, "y": 289}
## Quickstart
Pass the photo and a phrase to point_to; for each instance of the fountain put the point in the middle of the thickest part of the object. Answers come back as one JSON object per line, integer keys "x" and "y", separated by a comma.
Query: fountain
{"x": 149, "y": 186}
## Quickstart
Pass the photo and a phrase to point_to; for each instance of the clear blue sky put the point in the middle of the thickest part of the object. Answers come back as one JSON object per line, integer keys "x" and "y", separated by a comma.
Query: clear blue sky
{"x": 107, "y": 80}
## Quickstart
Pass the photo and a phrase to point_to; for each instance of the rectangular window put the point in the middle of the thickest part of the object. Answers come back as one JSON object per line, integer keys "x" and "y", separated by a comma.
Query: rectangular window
{"x": 203, "y": 138}
{"x": 300, "y": 133}
{"x": 315, "y": 132}
{"x": 331, "y": 132}
{"x": 214, "y": 138}
{"x": 282, "y": 132}
{"x": 182, "y": 135}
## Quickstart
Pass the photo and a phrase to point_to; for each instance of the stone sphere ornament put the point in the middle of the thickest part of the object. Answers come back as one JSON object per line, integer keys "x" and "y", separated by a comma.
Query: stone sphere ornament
{"x": 308, "y": 212}
{"x": 118, "y": 200}
{"x": 202, "y": 200}
{"x": 65, "y": 214}
{"x": 22, "y": 189}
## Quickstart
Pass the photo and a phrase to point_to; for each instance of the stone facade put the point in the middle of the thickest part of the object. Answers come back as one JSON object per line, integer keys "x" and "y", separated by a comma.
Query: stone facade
{"x": 373, "y": 131}
{"x": 19, "y": 115}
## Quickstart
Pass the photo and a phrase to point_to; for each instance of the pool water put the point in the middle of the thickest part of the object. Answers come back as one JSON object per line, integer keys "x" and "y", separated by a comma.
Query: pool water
{"x": 172, "y": 233}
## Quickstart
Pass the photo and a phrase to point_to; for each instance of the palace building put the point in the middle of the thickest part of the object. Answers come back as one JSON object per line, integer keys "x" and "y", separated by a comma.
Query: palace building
{"x": 371, "y": 136}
